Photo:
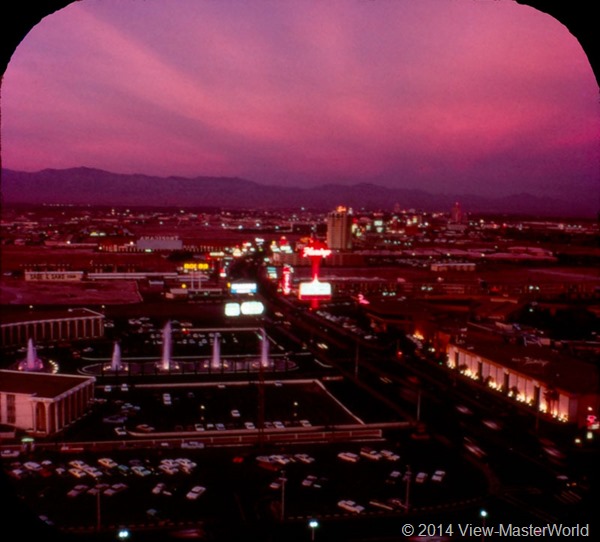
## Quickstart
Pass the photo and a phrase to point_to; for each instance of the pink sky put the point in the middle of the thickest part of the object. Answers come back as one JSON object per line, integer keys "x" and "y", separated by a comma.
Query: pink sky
{"x": 485, "y": 97}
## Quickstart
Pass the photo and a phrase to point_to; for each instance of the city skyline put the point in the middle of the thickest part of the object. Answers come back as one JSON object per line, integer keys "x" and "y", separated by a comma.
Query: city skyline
{"x": 491, "y": 99}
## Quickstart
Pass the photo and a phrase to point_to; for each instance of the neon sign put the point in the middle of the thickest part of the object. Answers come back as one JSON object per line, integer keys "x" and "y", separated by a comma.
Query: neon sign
{"x": 313, "y": 252}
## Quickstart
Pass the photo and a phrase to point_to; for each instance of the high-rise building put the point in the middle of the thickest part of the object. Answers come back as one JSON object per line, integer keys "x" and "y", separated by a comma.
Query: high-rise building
{"x": 339, "y": 229}
{"x": 456, "y": 214}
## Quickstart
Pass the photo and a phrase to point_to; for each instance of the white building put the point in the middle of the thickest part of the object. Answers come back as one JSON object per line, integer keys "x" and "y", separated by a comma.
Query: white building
{"x": 51, "y": 326}
{"x": 41, "y": 403}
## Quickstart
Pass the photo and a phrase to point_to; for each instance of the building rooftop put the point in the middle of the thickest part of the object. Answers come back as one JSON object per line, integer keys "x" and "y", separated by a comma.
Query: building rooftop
{"x": 11, "y": 315}
{"x": 540, "y": 362}
{"x": 39, "y": 384}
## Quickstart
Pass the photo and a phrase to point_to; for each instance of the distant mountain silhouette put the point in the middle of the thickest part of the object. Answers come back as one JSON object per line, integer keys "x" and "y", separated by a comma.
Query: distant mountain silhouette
{"x": 93, "y": 186}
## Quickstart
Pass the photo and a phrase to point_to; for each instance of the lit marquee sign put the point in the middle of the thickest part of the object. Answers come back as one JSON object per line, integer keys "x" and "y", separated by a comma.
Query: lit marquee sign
{"x": 196, "y": 266}
{"x": 243, "y": 287}
{"x": 286, "y": 280}
{"x": 232, "y": 309}
{"x": 252, "y": 308}
{"x": 316, "y": 252}
{"x": 247, "y": 308}
{"x": 314, "y": 290}
{"x": 362, "y": 300}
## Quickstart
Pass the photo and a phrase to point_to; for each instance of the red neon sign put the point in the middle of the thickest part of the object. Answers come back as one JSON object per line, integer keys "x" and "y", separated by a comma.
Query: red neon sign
{"x": 314, "y": 252}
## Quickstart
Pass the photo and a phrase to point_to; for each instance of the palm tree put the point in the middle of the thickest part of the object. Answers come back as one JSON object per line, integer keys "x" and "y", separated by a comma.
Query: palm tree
{"x": 551, "y": 396}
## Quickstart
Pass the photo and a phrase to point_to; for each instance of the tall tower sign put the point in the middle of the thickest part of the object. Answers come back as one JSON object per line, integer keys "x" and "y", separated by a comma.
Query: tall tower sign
{"x": 315, "y": 290}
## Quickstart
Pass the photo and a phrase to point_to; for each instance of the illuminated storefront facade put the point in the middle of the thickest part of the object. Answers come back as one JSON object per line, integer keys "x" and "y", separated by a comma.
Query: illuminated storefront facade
{"x": 549, "y": 383}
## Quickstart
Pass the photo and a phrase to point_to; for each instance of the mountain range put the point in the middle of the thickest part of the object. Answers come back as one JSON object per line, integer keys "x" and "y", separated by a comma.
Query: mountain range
{"x": 84, "y": 186}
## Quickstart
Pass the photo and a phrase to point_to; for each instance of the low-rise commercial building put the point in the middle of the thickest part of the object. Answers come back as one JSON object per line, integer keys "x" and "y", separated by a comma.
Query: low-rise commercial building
{"x": 43, "y": 404}
{"x": 53, "y": 326}
{"x": 549, "y": 382}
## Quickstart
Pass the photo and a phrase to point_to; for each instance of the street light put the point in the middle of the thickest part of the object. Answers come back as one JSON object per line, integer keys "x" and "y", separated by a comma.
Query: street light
{"x": 283, "y": 480}
{"x": 408, "y": 476}
{"x": 313, "y": 524}
{"x": 483, "y": 513}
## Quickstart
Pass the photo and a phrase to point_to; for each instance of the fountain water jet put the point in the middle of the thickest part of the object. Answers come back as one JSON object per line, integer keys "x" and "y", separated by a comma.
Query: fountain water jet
{"x": 116, "y": 365}
{"x": 264, "y": 349}
{"x": 165, "y": 363}
{"x": 216, "y": 354}
{"x": 31, "y": 362}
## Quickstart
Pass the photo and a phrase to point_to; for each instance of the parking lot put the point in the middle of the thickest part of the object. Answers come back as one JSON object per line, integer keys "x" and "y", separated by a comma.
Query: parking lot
{"x": 155, "y": 486}
{"x": 196, "y": 409}
{"x": 154, "y": 457}
{"x": 167, "y": 450}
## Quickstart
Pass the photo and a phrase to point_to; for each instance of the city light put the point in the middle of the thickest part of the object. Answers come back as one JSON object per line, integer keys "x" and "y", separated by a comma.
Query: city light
{"x": 181, "y": 358}
{"x": 232, "y": 309}
{"x": 243, "y": 287}
{"x": 314, "y": 290}
{"x": 252, "y": 307}
{"x": 313, "y": 252}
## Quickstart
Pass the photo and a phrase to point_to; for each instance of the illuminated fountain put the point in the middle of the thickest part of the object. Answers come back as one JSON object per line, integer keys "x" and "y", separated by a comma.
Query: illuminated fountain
{"x": 216, "y": 353}
{"x": 31, "y": 362}
{"x": 263, "y": 360}
{"x": 116, "y": 363}
{"x": 166, "y": 363}
{"x": 264, "y": 350}
{"x": 167, "y": 347}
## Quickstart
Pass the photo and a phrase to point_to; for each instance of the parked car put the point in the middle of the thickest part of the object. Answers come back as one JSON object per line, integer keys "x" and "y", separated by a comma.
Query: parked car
{"x": 115, "y": 489}
{"x": 158, "y": 488}
{"x": 389, "y": 455}
{"x": 141, "y": 471}
{"x": 438, "y": 476}
{"x": 195, "y": 492}
{"x": 421, "y": 477}
{"x": 371, "y": 454}
{"x": 78, "y": 473}
{"x": 351, "y": 506}
{"x": 107, "y": 462}
{"x": 144, "y": 428}
{"x": 348, "y": 456}
{"x": 192, "y": 444}
{"x": 304, "y": 458}
{"x": 168, "y": 469}
{"x": 309, "y": 480}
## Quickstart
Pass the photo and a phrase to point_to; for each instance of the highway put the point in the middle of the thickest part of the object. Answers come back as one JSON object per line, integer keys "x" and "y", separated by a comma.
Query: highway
{"x": 506, "y": 443}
